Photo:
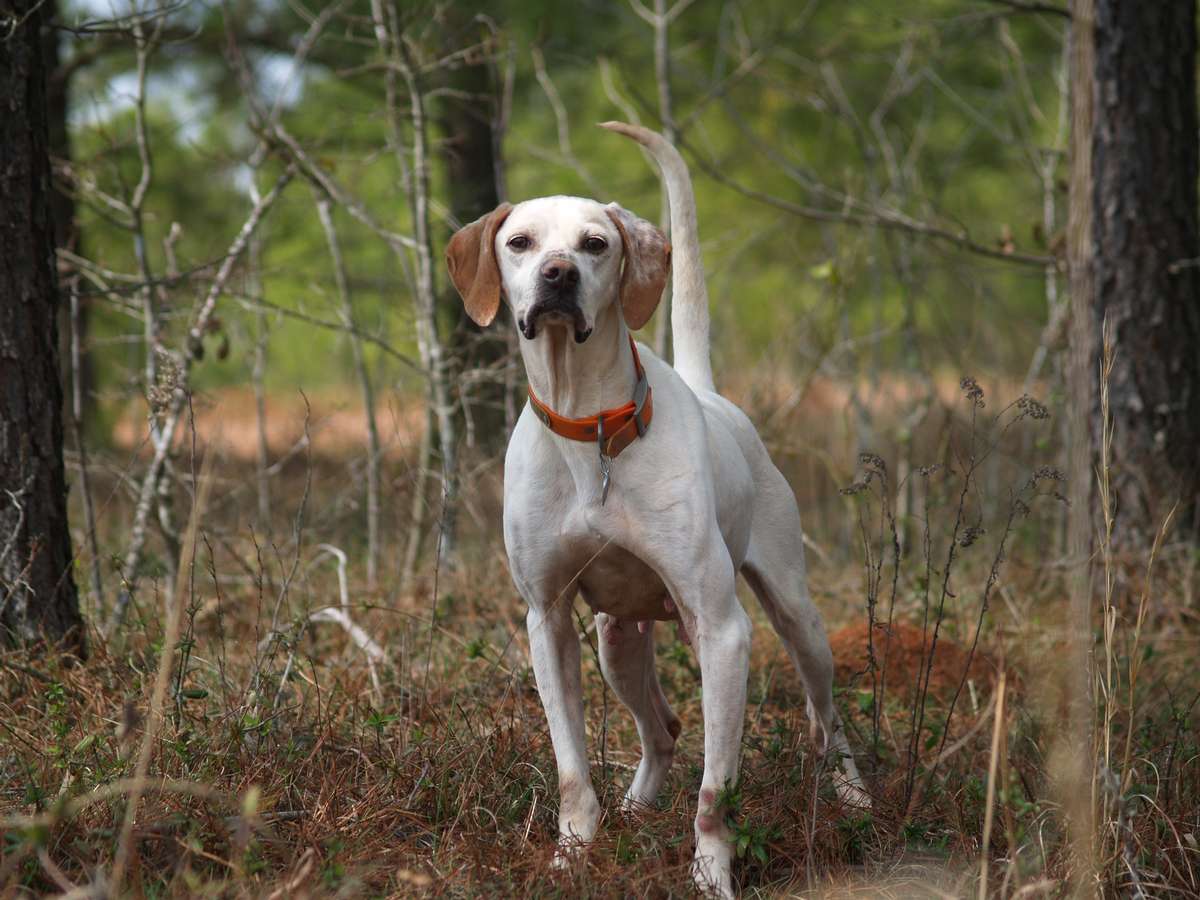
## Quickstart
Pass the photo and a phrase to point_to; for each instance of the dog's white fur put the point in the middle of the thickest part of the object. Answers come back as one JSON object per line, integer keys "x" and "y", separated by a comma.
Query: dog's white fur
{"x": 692, "y": 503}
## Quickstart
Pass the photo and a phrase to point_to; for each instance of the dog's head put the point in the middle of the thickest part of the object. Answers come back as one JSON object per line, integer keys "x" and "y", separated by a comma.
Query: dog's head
{"x": 559, "y": 261}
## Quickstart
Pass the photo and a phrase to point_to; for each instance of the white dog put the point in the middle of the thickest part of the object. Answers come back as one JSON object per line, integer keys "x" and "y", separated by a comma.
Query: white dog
{"x": 639, "y": 486}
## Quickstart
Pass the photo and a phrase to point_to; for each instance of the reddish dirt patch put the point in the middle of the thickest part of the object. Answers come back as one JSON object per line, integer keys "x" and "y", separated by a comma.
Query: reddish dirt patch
{"x": 227, "y": 419}
{"x": 901, "y": 659}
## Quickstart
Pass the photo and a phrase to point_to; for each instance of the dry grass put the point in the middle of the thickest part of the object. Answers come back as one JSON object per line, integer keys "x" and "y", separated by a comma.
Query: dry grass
{"x": 288, "y": 764}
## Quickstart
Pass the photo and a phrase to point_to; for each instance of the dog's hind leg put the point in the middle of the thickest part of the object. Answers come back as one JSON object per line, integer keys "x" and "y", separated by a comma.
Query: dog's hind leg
{"x": 774, "y": 569}
{"x": 627, "y": 659}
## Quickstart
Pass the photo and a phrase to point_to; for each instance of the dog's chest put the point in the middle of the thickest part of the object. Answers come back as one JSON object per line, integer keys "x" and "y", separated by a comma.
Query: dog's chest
{"x": 618, "y": 583}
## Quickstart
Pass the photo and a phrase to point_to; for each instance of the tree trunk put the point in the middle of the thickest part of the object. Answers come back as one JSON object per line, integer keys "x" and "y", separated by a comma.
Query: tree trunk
{"x": 1146, "y": 243}
{"x": 38, "y": 600}
{"x": 350, "y": 320}
{"x": 1083, "y": 365}
{"x": 470, "y": 152}
{"x": 66, "y": 223}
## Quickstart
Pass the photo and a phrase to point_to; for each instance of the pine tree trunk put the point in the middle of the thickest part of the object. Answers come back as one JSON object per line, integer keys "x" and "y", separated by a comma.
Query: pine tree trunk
{"x": 469, "y": 150}
{"x": 38, "y": 599}
{"x": 66, "y": 224}
{"x": 1146, "y": 243}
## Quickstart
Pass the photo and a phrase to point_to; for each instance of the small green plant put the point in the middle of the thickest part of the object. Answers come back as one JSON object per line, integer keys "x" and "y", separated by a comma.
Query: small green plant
{"x": 855, "y": 830}
{"x": 925, "y": 835}
{"x": 729, "y": 798}
{"x": 333, "y": 870}
{"x": 625, "y": 851}
{"x": 378, "y": 722}
{"x": 753, "y": 841}
{"x": 750, "y": 840}
{"x": 780, "y": 738}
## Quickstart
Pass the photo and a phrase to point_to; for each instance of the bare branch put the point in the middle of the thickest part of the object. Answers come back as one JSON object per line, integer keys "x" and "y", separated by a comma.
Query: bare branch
{"x": 562, "y": 121}
{"x": 880, "y": 216}
{"x": 374, "y": 454}
{"x": 118, "y": 24}
{"x": 162, "y": 443}
{"x": 235, "y": 251}
{"x": 433, "y": 354}
{"x": 628, "y": 110}
{"x": 1033, "y": 6}
{"x": 643, "y": 13}
{"x": 313, "y": 171}
{"x": 680, "y": 7}
{"x": 1052, "y": 334}
{"x": 89, "y": 512}
{"x": 259, "y": 303}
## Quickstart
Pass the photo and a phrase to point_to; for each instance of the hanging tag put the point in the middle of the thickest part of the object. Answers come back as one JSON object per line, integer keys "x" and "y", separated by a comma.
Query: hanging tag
{"x": 605, "y": 463}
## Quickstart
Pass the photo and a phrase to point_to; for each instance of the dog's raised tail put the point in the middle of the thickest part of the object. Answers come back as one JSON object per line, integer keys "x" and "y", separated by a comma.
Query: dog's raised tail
{"x": 689, "y": 300}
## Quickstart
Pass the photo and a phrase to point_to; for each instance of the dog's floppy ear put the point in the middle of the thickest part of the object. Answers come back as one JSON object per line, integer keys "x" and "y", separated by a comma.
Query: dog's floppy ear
{"x": 647, "y": 265}
{"x": 474, "y": 269}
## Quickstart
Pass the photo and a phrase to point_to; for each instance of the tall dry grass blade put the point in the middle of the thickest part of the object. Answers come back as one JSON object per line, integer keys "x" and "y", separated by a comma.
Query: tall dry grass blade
{"x": 1135, "y": 658}
{"x": 993, "y": 763}
{"x": 1104, "y": 837}
{"x": 162, "y": 678}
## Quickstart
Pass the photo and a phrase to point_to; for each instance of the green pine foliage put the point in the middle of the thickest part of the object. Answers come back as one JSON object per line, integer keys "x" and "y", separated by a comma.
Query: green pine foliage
{"x": 942, "y": 113}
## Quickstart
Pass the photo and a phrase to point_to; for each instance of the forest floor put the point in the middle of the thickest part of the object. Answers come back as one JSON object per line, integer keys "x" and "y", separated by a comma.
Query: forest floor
{"x": 246, "y": 748}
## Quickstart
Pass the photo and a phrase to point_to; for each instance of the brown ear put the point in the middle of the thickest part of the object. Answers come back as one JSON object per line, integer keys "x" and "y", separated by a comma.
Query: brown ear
{"x": 474, "y": 269}
{"x": 647, "y": 265}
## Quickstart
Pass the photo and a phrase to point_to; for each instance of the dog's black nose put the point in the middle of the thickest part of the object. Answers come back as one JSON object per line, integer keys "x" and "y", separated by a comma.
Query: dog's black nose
{"x": 560, "y": 273}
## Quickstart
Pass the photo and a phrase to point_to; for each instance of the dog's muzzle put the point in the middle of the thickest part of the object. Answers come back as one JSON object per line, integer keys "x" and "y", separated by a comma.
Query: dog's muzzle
{"x": 557, "y": 297}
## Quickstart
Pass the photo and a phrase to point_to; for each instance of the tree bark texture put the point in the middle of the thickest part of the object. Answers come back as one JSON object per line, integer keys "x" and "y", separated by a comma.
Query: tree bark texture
{"x": 1146, "y": 244}
{"x": 470, "y": 153}
{"x": 1083, "y": 366}
{"x": 38, "y": 599}
{"x": 66, "y": 223}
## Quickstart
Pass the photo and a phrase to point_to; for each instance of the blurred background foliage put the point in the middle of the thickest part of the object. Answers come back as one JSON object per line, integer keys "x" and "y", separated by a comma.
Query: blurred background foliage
{"x": 947, "y": 112}
{"x": 882, "y": 194}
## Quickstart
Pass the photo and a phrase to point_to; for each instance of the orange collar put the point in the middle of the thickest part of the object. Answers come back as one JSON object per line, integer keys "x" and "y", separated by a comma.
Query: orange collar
{"x": 613, "y": 429}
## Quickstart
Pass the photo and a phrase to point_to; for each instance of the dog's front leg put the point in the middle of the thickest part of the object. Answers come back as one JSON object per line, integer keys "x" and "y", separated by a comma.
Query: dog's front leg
{"x": 554, "y": 647}
{"x": 720, "y": 631}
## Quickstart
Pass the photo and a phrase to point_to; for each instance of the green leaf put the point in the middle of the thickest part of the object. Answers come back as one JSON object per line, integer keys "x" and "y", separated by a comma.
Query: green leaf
{"x": 822, "y": 271}
{"x": 85, "y": 743}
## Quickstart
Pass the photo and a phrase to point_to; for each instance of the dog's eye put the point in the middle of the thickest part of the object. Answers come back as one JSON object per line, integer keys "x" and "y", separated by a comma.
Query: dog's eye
{"x": 518, "y": 242}
{"x": 595, "y": 244}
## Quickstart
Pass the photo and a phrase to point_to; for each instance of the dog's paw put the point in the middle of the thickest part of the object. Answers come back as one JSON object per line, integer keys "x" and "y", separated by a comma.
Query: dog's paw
{"x": 569, "y": 853}
{"x": 634, "y": 804}
{"x": 711, "y": 875}
{"x": 851, "y": 793}
{"x": 631, "y": 806}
